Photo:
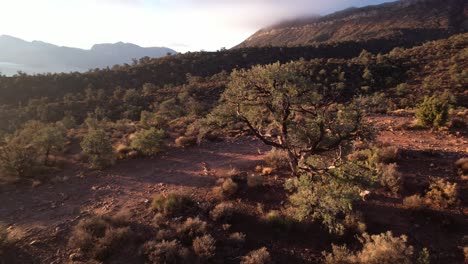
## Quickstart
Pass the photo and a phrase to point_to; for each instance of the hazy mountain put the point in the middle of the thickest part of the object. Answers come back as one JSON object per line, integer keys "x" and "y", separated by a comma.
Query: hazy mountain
{"x": 410, "y": 19}
{"x": 40, "y": 57}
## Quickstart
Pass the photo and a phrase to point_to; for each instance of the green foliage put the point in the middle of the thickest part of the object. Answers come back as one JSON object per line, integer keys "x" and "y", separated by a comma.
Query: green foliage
{"x": 149, "y": 142}
{"x": 433, "y": 112}
{"x": 97, "y": 145}
{"x": 20, "y": 153}
{"x": 424, "y": 257}
{"x": 50, "y": 140}
{"x": 17, "y": 160}
{"x": 376, "y": 249}
{"x": 287, "y": 108}
{"x": 172, "y": 204}
{"x": 322, "y": 201}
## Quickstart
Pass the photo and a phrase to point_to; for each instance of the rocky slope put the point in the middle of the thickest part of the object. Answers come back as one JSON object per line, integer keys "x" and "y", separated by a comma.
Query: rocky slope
{"x": 415, "y": 20}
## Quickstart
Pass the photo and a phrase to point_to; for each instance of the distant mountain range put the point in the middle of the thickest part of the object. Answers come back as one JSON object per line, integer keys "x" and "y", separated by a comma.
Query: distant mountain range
{"x": 412, "y": 20}
{"x": 40, "y": 57}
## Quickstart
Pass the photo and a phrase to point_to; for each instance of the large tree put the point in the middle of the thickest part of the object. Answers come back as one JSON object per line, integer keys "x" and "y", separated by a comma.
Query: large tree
{"x": 291, "y": 108}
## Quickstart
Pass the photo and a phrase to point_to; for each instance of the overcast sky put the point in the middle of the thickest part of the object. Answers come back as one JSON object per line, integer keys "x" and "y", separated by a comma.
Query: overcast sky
{"x": 179, "y": 24}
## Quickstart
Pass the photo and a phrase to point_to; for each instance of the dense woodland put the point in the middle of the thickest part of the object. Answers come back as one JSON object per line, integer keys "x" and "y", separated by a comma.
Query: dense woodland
{"x": 307, "y": 103}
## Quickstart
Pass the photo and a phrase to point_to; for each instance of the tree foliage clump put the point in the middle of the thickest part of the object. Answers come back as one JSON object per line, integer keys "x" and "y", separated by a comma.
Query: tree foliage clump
{"x": 288, "y": 107}
{"x": 21, "y": 152}
{"x": 149, "y": 141}
{"x": 433, "y": 112}
{"x": 328, "y": 197}
{"x": 97, "y": 145}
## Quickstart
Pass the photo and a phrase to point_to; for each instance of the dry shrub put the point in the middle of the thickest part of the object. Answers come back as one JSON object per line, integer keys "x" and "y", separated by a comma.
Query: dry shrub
{"x": 166, "y": 252}
{"x": 376, "y": 249}
{"x": 462, "y": 166}
{"x": 267, "y": 171}
{"x": 385, "y": 248}
{"x": 233, "y": 172}
{"x": 458, "y": 123}
{"x": 191, "y": 228}
{"x": 465, "y": 253}
{"x": 183, "y": 141}
{"x": 255, "y": 181}
{"x": 388, "y": 154}
{"x": 227, "y": 189}
{"x": 204, "y": 246}
{"x": 415, "y": 202}
{"x": 172, "y": 204}
{"x": 277, "y": 159}
{"x": 223, "y": 211}
{"x": 99, "y": 237}
{"x": 442, "y": 194}
{"x": 236, "y": 238}
{"x": 3, "y": 237}
{"x": 122, "y": 151}
{"x": 259, "y": 256}
{"x": 355, "y": 223}
{"x": 391, "y": 178}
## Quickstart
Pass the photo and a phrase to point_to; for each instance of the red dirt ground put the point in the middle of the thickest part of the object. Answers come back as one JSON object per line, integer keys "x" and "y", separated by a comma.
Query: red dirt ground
{"x": 40, "y": 218}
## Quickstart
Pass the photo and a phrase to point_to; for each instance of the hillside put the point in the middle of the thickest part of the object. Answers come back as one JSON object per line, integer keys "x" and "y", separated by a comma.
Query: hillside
{"x": 40, "y": 57}
{"x": 410, "y": 20}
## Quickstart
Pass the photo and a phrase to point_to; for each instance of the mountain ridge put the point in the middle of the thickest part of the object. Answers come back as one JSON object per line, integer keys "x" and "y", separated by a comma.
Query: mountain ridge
{"x": 400, "y": 19}
{"x": 36, "y": 56}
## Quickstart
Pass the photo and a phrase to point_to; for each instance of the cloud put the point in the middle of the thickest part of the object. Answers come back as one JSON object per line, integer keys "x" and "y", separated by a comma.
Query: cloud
{"x": 196, "y": 24}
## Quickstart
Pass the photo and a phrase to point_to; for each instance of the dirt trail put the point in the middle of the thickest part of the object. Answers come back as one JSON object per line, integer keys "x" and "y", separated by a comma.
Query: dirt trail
{"x": 42, "y": 216}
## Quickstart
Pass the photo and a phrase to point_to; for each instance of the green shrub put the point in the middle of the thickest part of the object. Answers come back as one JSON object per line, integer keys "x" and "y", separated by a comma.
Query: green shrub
{"x": 149, "y": 141}
{"x": 172, "y": 204}
{"x": 97, "y": 146}
{"x": 322, "y": 201}
{"x": 204, "y": 246}
{"x": 433, "y": 112}
{"x": 259, "y": 256}
{"x": 18, "y": 160}
{"x": 376, "y": 249}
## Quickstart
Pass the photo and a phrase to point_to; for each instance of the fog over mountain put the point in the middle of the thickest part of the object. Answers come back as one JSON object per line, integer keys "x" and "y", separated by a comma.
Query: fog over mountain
{"x": 40, "y": 57}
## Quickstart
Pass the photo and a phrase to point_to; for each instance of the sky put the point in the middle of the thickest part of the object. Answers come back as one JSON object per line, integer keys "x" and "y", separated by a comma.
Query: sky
{"x": 183, "y": 25}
